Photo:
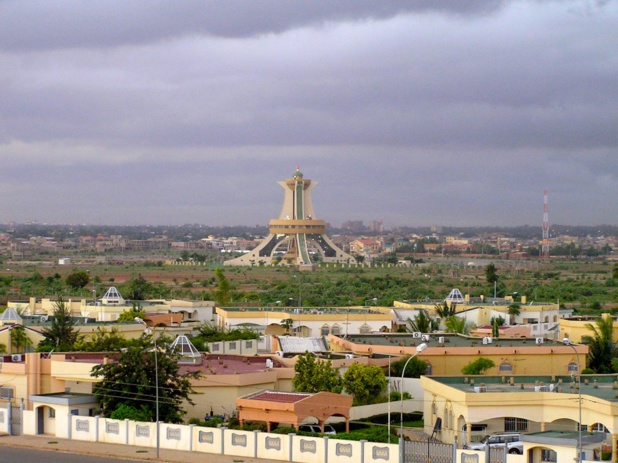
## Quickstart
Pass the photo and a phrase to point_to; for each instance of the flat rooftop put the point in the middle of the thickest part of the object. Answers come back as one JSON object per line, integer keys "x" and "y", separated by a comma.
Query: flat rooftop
{"x": 449, "y": 340}
{"x": 599, "y": 386}
{"x": 309, "y": 310}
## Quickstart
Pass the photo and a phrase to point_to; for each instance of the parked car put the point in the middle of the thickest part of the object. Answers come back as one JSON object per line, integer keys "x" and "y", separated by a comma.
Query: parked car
{"x": 315, "y": 428}
{"x": 510, "y": 440}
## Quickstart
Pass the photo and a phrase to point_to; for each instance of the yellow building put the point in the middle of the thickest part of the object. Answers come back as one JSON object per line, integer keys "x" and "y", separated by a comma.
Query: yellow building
{"x": 447, "y": 354}
{"x": 575, "y": 327}
{"x": 526, "y": 404}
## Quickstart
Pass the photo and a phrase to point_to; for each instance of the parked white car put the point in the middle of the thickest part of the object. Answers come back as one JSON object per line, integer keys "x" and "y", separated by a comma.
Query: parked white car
{"x": 510, "y": 440}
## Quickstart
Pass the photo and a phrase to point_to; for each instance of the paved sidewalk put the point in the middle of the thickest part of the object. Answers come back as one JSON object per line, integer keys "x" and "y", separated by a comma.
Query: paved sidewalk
{"x": 124, "y": 452}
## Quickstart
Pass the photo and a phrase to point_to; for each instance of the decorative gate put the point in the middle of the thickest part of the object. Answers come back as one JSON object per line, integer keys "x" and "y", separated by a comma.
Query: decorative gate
{"x": 428, "y": 452}
{"x": 16, "y": 417}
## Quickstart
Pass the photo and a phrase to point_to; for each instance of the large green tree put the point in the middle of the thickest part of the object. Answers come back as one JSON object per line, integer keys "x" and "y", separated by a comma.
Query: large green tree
{"x": 132, "y": 379}
{"x": 601, "y": 346}
{"x": 61, "y": 335}
{"x": 313, "y": 375}
{"x": 223, "y": 293}
{"x": 491, "y": 274}
{"x": 78, "y": 279}
{"x": 415, "y": 369}
{"x": 364, "y": 382}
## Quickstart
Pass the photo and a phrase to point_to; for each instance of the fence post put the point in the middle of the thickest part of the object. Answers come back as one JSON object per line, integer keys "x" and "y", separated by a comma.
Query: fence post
{"x": 126, "y": 436}
{"x": 291, "y": 445}
{"x": 362, "y": 456}
{"x": 70, "y": 425}
{"x": 96, "y": 428}
{"x": 9, "y": 418}
{"x": 255, "y": 443}
{"x": 191, "y": 426}
{"x": 223, "y": 441}
{"x": 455, "y": 450}
{"x": 325, "y": 449}
{"x": 402, "y": 450}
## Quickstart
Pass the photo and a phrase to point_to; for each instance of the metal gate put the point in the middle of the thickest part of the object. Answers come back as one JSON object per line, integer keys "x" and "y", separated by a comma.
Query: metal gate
{"x": 428, "y": 452}
{"x": 16, "y": 418}
{"x": 497, "y": 454}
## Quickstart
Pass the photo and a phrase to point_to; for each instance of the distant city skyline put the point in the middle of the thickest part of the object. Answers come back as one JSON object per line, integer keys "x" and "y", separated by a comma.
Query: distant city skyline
{"x": 417, "y": 113}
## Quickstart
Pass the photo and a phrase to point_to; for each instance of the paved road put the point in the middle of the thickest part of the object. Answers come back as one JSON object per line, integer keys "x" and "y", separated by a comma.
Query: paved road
{"x": 23, "y": 455}
{"x": 49, "y": 449}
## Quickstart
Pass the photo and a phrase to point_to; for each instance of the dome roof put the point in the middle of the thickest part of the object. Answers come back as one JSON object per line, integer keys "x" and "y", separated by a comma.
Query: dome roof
{"x": 297, "y": 174}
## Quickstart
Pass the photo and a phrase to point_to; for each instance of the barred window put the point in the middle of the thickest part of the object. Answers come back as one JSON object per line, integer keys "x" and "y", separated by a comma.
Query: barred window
{"x": 573, "y": 367}
{"x": 325, "y": 330}
{"x": 515, "y": 424}
{"x": 365, "y": 329}
{"x": 336, "y": 330}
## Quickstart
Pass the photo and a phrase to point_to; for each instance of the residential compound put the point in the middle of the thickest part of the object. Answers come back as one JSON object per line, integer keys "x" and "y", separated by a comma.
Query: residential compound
{"x": 536, "y": 372}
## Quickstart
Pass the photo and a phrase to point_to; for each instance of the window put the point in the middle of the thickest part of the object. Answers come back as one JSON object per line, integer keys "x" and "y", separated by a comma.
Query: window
{"x": 515, "y": 424}
{"x": 505, "y": 366}
{"x": 336, "y": 330}
{"x": 429, "y": 369}
{"x": 573, "y": 367}
{"x": 598, "y": 427}
{"x": 548, "y": 456}
{"x": 52, "y": 413}
{"x": 365, "y": 329}
{"x": 325, "y": 330}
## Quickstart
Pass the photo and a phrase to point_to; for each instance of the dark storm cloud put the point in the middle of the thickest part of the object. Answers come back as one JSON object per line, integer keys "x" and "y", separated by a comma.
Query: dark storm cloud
{"x": 42, "y": 24}
{"x": 428, "y": 112}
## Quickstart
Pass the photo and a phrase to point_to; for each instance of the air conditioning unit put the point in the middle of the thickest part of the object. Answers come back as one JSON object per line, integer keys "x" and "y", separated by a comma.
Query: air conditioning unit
{"x": 539, "y": 340}
{"x": 279, "y": 353}
{"x": 44, "y": 318}
{"x": 416, "y": 334}
{"x": 487, "y": 340}
{"x": 441, "y": 339}
{"x": 540, "y": 388}
{"x": 349, "y": 356}
{"x": 479, "y": 389}
{"x": 269, "y": 363}
{"x": 16, "y": 357}
{"x": 425, "y": 337}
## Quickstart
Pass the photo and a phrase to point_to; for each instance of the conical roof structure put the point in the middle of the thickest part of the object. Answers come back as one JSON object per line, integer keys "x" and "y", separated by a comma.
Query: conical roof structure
{"x": 10, "y": 314}
{"x": 186, "y": 349}
{"x": 455, "y": 296}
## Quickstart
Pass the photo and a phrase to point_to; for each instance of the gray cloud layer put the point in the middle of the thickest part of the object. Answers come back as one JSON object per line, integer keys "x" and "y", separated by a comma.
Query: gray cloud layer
{"x": 423, "y": 112}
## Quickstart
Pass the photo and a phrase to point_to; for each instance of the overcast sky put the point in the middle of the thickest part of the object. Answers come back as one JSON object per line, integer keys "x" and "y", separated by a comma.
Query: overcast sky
{"x": 427, "y": 112}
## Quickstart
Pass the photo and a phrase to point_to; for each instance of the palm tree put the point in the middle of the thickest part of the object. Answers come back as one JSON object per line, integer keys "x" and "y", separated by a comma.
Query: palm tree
{"x": 422, "y": 323}
{"x": 287, "y": 324}
{"x": 514, "y": 311}
{"x": 19, "y": 338}
{"x": 459, "y": 325}
{"x": 445, "y": 310}
{"x": 602, "y": 348}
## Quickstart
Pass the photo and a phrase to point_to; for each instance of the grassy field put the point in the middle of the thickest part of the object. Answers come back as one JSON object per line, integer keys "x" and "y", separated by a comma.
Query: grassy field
{"x": 586, "y": 285}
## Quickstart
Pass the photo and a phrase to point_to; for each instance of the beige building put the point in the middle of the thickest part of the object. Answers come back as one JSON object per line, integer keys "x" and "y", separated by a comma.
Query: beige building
{"x": 109, "y": 307}
{"x": 526, "y": 404}
{"x": 447, "y": 354}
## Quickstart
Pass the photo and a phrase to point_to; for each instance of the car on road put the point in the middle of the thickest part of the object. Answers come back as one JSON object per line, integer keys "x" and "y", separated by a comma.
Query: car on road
{"x": 511, "y": 441}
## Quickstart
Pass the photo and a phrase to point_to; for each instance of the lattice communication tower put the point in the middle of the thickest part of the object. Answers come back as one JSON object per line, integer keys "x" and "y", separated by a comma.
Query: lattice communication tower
{"x": 545, "y": 241}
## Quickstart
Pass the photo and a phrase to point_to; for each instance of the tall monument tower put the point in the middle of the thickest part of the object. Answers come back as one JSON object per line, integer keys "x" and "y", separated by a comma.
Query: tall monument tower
{"x": 296, "y": 231}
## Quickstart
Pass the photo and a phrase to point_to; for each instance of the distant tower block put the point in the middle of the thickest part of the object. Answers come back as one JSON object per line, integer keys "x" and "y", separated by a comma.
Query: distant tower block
{"x": 296, "y": 232}
{"x": 545, "y": 240}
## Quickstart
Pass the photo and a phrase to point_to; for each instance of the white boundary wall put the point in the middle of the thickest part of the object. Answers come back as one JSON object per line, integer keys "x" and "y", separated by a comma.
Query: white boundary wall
{"x": 222, "y": 441}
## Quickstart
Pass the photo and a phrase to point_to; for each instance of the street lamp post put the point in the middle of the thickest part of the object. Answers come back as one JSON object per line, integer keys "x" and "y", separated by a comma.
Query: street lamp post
{"x": 154, "y": 341}
{"x": 567, "y": 342}
{"x": 420, "y": 348}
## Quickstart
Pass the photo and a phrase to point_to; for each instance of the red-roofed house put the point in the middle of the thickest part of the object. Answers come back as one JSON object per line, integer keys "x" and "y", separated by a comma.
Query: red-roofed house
{"x": 293, "y": 407}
